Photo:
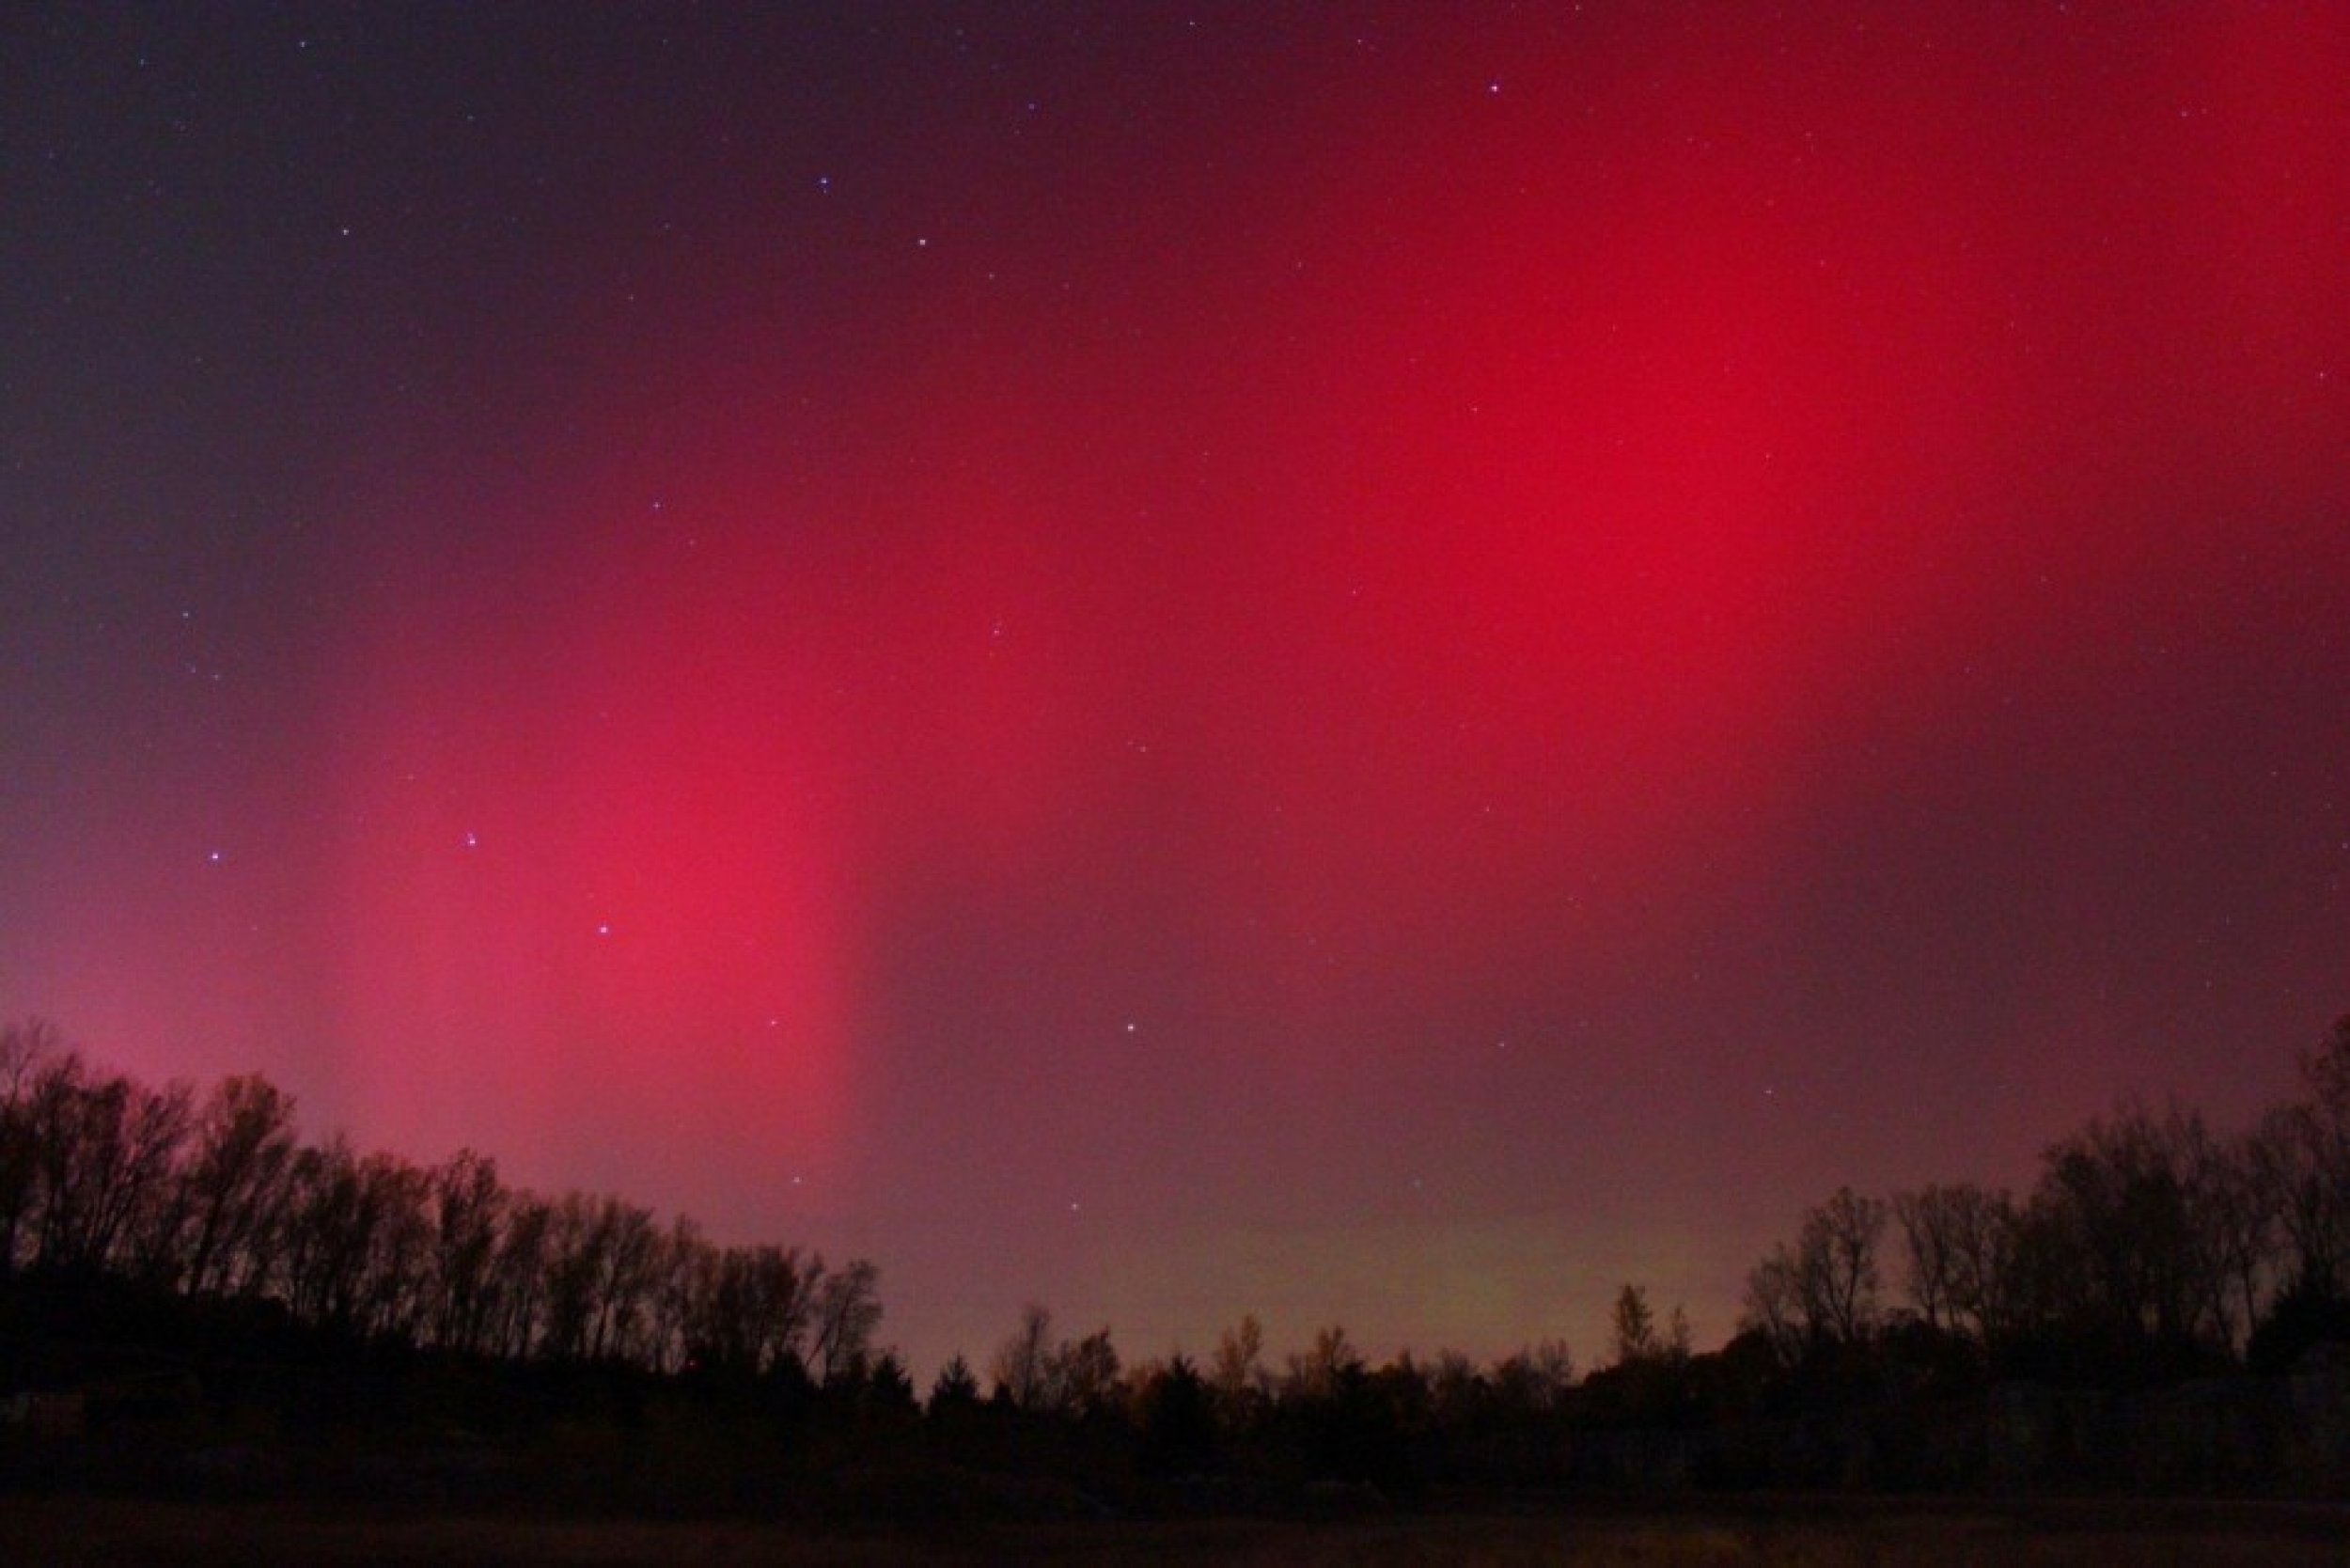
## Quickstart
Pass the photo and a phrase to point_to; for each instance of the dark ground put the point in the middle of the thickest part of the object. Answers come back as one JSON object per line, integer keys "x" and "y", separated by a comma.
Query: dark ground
{"x": 72, "y": 1531}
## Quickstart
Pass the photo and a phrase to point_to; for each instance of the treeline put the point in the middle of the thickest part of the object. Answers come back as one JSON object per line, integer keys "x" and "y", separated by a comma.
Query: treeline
{"x": 2147, "y": 1314}
{"x": 216, "y": 1200}
{"x": 2127, "y": 1323}
{"x": 2149, "y": 1248}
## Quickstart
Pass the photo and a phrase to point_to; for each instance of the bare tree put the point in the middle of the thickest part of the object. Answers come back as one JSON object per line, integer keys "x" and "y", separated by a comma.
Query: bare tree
{"x": 236, "y": 1183}
{"x": 684, "y": 1270}
{"x": 1774, "y": 1305}
{"x": 102, "y": 1150}
{"x": 101, "y": 1173}
{"x": 1459, "y": 1392}
{"x": 780, "y": 1297}
{"x": 394, "y": 1288}
{"x": 1929, "y": 1222}
{"x": 322, "y": 1255}
{"x": 845, "y": 1312}
{"x": 2124, "y": 1195}
{"x": 56, "y": 1118}
{"x": 519, "y": 1274}
{"x": 1083, "y": 1377}
{"x": 468, "y": 1208}
{"x": 574, "y": 1268}
{"x": 139, "y": 1232}
{"x": 2302, "y": 1155}
{"x": 1836, "y": 1275}
{"x": 26, "y": 1049}
{"x": 2239, "y": 1233}
{"x": 1982, "y": 1233}
{"x": 1023, "y": 1365}
{"x": 1325, "y": 1368}
{"x": 1632, "y": 1328}
{"x": 1238, "y": 1373}
{"x": 1824, "y": 1291}
{"x": 628, "y": 1258}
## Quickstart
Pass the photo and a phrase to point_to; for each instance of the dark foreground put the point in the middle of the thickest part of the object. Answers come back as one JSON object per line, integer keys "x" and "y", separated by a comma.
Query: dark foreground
{"x": 81, "y": 1530}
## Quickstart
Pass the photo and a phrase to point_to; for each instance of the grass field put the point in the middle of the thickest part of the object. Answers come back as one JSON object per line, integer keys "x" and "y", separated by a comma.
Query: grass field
{"x": 70, "y": 1532}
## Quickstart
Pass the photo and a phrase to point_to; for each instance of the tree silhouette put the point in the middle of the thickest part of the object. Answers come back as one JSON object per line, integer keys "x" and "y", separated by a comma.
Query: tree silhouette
{"x": 468, "y": 1207}
{"x": 1176, "y": 1415}
{"x": 1320, "y": 1372}
{"x": 236, "y": 1184}
{"x": 1023, "y": 1365}
{"x": 1238, "y": 1374}
{"x": 2149, "y": 1250}
{"x": 845, "y": 1311}
{"x": 1836, "y": 1275}
{"x": 956, "y": 1386}
{"x": 1632, "y": 1326}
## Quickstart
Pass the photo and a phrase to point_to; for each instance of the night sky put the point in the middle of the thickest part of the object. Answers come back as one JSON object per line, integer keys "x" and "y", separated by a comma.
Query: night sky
{"x": 1379, "y": 663}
